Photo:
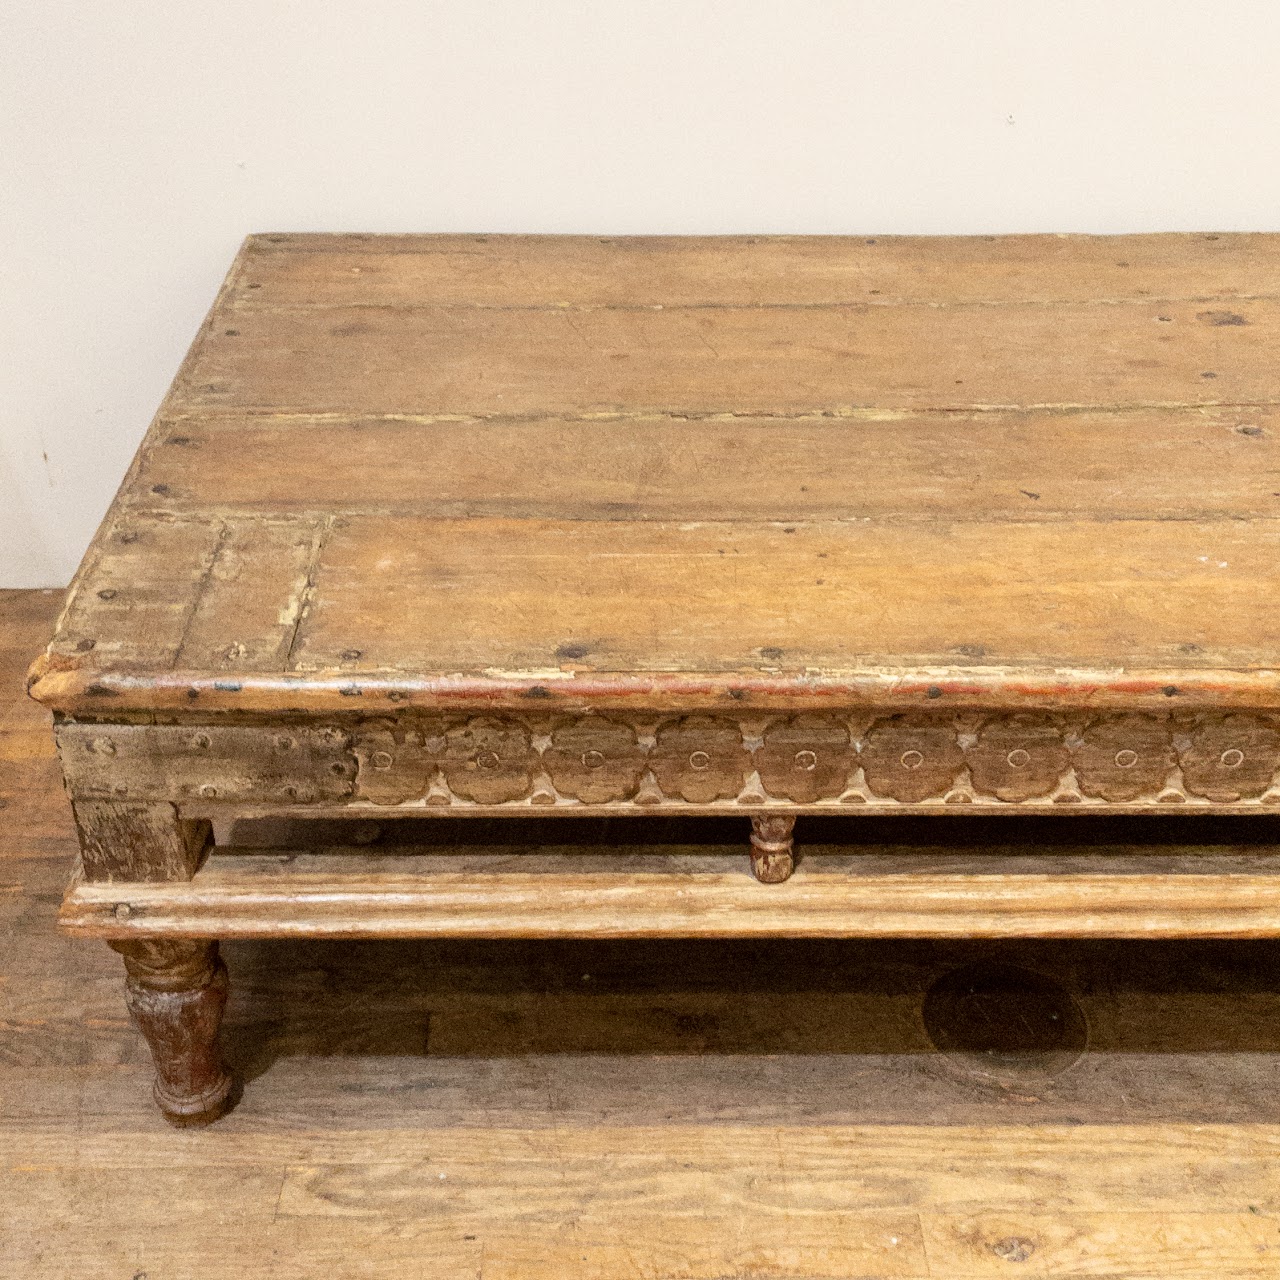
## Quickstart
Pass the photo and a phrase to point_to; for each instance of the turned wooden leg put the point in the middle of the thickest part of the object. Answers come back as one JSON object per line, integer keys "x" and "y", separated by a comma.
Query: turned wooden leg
{"x": 772, "y": 860}
{"x": 176, "y": 992}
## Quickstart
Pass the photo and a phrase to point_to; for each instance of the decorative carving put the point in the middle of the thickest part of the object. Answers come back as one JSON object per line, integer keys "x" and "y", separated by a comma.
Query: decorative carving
{"x": 176, "y": 992}
{"x": 700, "y": 759}
{"x": 805, "y": 758}
{"x": 801, "y": 759}
{"x": 911, "y": 758}
{"x": 1124, "y": 757}
{"x": 395, "y": 763}
{"x": 595, "y": 760}
{"x": 772, "y": 856}
{"x": 1231, "y": 757}
{"x": 489, "y": 760}
{"x": 1018, "y": 757}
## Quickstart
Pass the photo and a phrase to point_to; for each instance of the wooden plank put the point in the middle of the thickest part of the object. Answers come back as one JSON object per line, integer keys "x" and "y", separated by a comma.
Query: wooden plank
{"x": 246, "y": 616}
{"x": 510, "y": 596}
{"x": 459, "y": 270}
{"x": 1090, "y": 610}
{"x": 1193, "y": 1168}
{"x": 921, "y": 371}
{"x": 139, "y": 1222}
{"x": 359, "y": 1046}
{"x": 29, "y": 823}
{"x": 1111, "y": 1244}
{"x": 218, "y": 594}
{"x": 26, "y": 619}
{"x": 678, "y": 895}
{"x": 372, "y": 360}
{"x": 133, "y": 599}
{"x": 1048, "y": 465}
{"x": 835, "y": 1168}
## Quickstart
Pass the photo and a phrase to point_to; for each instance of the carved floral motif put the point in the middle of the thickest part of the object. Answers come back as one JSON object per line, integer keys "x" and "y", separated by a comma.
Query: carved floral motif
{"x": 1124, "y": 757}
{"x": 595, "y": 760}
{"x": 1018, "y": 757}
{"x": 807, "y": 758}
{"x": 1231, "y": 757}
{"x": 910, "y": 758}
{"x": 700, "y": 759}
{"x": 395, "y": 764}
{"x": 489, "y": 760}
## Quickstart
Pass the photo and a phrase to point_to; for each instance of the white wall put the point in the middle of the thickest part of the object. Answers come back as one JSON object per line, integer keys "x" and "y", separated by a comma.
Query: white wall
{"x": 141, "y": 139}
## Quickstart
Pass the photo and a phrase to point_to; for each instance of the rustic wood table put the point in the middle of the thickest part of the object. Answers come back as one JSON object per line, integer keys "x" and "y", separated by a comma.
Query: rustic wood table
{"x": 470, "y": 525}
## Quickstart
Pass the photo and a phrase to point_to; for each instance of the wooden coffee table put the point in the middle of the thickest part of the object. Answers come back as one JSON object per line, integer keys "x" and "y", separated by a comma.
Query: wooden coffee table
{"x": 470, "y": 525}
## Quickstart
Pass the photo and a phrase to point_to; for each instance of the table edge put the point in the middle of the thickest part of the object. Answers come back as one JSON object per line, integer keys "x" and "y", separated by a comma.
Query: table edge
{"x": 108, "y": 692}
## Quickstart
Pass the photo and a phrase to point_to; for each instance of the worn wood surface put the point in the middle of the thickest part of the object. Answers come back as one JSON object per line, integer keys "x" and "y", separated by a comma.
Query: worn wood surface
{"x": 659, "y": 1110}
{"x": 1089, "y": 623}
{"x": 177, "y": 990}
{"x": 1026, "y": 470}
{"x": 128, "y": 841}
{"x": 941, "y": 762}
{"x": 572, "y": 891}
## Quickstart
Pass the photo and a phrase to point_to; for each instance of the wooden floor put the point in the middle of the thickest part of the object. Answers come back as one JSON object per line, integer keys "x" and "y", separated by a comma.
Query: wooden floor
{"x": 601, "y": 1110}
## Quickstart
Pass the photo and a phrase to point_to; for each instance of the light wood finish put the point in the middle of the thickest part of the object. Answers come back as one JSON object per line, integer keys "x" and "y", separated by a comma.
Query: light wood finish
{"x": 1189, "y": 892}
{"x": 662, "y": 1110}
{"x": 1021, "y": 465}
{"x": 768, "y": 526}
{"x": 377, "y": 358}
{"x": 1030, "y": 470}
{"x": 586, "y": 271}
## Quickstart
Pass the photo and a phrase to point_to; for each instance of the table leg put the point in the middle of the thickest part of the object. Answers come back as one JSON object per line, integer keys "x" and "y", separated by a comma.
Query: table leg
{"x": 772, "y": 859}
{"x": 177, "y": 988}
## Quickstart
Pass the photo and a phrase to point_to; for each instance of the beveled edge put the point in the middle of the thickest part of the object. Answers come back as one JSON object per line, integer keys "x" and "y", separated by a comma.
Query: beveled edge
{"x": 723, "y": 904}
{"x": 106, "y": 693}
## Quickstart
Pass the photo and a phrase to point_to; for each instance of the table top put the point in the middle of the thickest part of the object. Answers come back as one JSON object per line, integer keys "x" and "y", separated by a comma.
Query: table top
{"x": 687, "y": 472}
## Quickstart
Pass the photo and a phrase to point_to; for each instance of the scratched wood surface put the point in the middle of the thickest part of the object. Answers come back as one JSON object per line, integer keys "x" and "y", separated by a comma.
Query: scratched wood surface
{"x": 1040, "y": 467}
{"x": 658, "y": 1110}
{"x": 571, "y": 891}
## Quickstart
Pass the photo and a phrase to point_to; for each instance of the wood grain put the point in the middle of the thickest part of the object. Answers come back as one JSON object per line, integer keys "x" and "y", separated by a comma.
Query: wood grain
{"x": 744, "y": 360}
{"x": 1034, "y": 546}
{"x": 454, "y": 456}
{"x": 124, "y": 840}
{"x": 239, "y": 621}
{"x": 493, "y": 595}
{"x": 228, "y": 763}
{"x": 695, "y": 1108}
{"x": 529, "y": 271}
{"x": 1025, "y": 466}
{"x": 683, "y": 895}
{"x": 780, "y": 608}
